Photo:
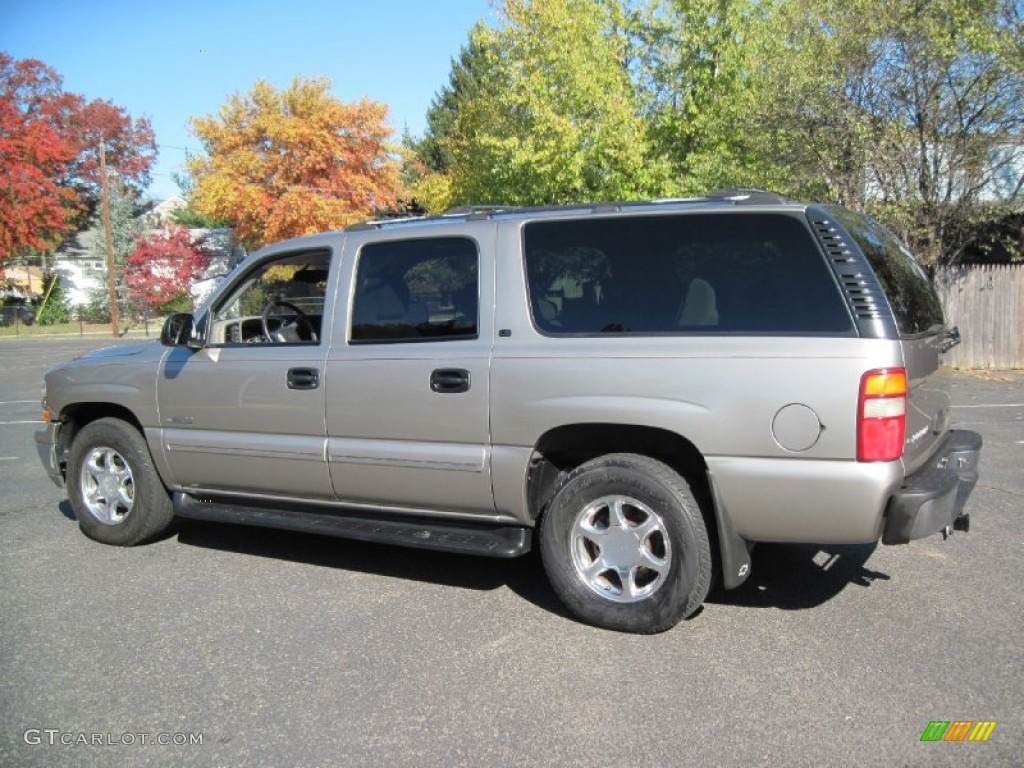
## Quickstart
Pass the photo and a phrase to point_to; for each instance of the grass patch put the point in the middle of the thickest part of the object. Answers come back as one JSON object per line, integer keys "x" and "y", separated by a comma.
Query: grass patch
{"x": 77, "y": 329}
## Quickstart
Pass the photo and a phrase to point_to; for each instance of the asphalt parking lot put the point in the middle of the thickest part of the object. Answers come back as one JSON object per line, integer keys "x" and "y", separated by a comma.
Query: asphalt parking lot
{"x": 286, "y": 649}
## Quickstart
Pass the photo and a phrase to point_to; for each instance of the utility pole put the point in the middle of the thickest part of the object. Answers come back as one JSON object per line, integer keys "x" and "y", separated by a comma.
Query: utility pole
{"x": 115, "y": 319}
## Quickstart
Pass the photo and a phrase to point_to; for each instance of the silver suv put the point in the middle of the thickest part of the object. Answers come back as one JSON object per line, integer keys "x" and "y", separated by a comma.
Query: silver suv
{"x": 641, "y": 390}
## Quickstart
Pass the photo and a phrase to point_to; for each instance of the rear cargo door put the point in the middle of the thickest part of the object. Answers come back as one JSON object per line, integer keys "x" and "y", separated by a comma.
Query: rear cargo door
{"x": 922, "y": 330}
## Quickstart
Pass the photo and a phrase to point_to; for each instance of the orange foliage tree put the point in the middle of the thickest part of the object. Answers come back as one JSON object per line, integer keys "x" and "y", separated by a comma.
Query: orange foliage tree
{"x": 280, "y": 164}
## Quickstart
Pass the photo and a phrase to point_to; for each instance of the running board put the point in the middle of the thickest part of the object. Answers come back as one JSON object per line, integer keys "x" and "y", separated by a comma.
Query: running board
{"x": 491, "y": 540}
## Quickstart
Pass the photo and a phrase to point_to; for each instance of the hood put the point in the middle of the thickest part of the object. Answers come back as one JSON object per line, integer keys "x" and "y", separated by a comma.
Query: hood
{"x": 120, "y": 350}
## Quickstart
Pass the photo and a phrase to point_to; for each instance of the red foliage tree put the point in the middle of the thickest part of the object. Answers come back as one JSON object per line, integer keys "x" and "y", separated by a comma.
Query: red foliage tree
{"x": 49, "y": 155}
{"x": 130, "y": 147}
{"x": 35, "y": 210}
{"x": 163, "y": 266}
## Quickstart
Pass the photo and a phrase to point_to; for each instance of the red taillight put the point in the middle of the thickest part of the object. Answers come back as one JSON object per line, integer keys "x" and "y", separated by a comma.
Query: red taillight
{"x": 882, "y": 414}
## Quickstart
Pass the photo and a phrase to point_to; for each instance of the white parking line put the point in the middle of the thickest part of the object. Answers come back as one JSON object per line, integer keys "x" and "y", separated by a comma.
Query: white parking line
{"x": 9, "y": 458}
{"x": 17, "y": 402}
{"x": 9, "y": 423}
{"x": 997, "y": 405}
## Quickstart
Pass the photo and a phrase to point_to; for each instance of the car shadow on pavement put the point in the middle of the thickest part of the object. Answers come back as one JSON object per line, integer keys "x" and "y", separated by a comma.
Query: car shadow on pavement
{"x": 464, "y": 571}
{"x": 67, "y": 511}
{"x": 799, "y": 576}
{"x": 785, "y": 576}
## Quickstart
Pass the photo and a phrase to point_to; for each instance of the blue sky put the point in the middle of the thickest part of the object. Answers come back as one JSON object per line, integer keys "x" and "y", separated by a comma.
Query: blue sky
{"x": 174, "y": 60}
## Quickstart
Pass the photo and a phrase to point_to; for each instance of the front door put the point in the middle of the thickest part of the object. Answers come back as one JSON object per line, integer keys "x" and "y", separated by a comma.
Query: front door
{"x": 245, "y": 414}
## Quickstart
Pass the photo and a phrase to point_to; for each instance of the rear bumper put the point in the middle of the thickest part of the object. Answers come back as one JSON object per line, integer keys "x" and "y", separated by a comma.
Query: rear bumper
{"x": 931, "y": 499}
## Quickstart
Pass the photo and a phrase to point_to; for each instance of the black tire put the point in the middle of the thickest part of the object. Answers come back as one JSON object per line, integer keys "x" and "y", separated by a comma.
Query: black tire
{"x": 658, "y": 517}
{"x": 113, "y": 486}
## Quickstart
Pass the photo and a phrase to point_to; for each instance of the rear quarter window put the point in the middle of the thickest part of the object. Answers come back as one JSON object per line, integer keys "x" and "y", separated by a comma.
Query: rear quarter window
{"x": 915, "y": 305}
{"x": 755, "y": 273}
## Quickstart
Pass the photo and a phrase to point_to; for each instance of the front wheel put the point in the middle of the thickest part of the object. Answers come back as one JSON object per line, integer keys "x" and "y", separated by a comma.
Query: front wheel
{"x": 625, "y": 546}
{"x": 113, "y": 486}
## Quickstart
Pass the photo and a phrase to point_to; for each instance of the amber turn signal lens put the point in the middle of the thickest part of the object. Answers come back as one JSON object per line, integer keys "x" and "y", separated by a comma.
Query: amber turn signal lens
{"x": 885, "y": 384}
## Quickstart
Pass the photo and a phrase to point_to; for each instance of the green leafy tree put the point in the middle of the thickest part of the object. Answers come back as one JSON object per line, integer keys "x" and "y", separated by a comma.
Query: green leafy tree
{"x": 911, "y": 110}
{"x": 428, "y": 161}
{"x": 125, "y": 224}
{"x": 692, "y": 62}
{"x": 914, "y": 111}
{"x": 468, "y": 73}
{"x": 554, "y": 117}
{"x": 53, "y": 309}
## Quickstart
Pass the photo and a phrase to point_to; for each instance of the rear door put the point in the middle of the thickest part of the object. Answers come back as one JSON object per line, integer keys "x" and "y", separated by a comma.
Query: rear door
{"x": 408, "y": 373}
{"x": 922, "y": 330}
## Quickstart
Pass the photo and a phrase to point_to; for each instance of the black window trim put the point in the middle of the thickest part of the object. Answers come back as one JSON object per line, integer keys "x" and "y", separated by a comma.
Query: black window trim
{"x": 205, "y": 322}
{"x": 890, "y": 323}
{"x": 798, "y": 215}
{"x": 357, "y": 259}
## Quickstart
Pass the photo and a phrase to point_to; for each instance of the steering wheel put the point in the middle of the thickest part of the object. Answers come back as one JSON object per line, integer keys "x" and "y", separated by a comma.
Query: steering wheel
{"x": 288, "y": 331}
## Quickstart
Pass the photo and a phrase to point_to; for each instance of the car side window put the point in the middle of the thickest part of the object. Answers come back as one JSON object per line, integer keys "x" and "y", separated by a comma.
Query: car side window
{"x": 914, "y": 302}
{"x": 674, "y": 274}
{"x": 416, "y": 290}
{"x": 279, "y": 301}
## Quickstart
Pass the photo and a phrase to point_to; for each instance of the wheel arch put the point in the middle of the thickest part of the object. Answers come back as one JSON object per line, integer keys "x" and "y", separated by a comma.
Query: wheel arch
{"x": 75, "y": 416}
{"x": 562, "y": 448}
{"x": 565, "y": 447}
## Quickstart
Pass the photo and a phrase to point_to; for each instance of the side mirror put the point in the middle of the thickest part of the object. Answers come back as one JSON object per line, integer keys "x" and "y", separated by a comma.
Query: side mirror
{"x": 179, "y": 331}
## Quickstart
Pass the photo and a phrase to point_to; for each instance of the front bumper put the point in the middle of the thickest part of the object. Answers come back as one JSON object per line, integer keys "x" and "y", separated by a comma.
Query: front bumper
{"x": 46, "y": 445}
{"x": 932, "y": 499}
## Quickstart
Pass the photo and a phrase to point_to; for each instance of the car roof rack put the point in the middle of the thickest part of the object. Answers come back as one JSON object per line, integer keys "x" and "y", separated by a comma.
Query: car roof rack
{"x": 480, "y": 210}
{"x": 462, "y": 211}
{"x": 735, "y": 195}
{"x": 378, "y": 223}
{"x": 748, "y": 196}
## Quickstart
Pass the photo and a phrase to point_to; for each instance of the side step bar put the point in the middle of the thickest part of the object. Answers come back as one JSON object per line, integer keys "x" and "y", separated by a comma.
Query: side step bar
{"x": 422, "y": 533}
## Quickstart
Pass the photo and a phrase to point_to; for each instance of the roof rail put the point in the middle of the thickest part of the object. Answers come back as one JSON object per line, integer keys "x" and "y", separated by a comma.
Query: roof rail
{"x": 378, "y": 223}
{"x": 748, "y": 195}
{"x": 480, "y": 210}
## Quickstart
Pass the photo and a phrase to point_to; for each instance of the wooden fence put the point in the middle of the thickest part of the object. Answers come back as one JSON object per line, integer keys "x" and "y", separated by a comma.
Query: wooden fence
{"x": 987, "y": 303}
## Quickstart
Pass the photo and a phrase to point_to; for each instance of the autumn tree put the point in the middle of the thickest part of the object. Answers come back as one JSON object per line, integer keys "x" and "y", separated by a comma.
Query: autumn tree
{"x": 279, "y": 164}
{"x": 188, "y": 216}
{"x": 49, "y": 155}
{"x": 35, "y": 153}
{"x": 129, "y": 149}
{"x": 162, "y": 267}
{"x": 553, "y": 115}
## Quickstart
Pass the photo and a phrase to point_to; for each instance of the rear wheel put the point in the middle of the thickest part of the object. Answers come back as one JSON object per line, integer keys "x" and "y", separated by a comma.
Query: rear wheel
{"x": 625, "y": 546}
{"x": 114, "y": 489}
